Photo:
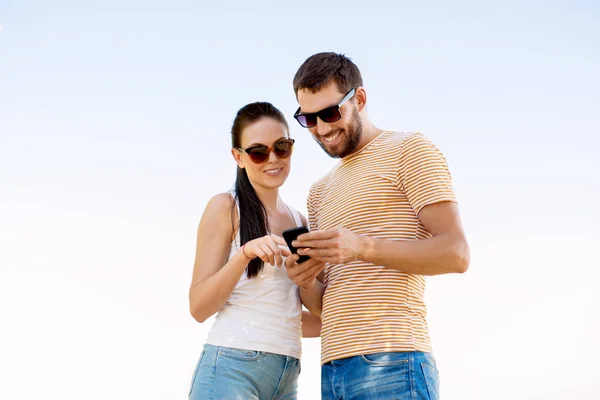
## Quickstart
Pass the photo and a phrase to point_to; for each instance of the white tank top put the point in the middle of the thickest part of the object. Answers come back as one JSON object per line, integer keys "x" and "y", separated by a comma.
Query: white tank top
{"x": 263, "y": 313}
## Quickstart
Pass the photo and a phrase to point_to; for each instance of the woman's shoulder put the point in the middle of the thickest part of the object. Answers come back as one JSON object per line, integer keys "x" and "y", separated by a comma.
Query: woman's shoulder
{"x": 221, "y": 208}
{"x": 220, "y": 203}
{"x": 222, "y": 200}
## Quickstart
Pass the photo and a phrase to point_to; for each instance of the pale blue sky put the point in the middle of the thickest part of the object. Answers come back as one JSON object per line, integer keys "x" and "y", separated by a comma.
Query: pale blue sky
{"x": 114, "y": 132}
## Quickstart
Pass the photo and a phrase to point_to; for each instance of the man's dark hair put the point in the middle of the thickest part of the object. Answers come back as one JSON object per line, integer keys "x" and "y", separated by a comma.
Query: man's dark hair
{"x": 321, "y": 69}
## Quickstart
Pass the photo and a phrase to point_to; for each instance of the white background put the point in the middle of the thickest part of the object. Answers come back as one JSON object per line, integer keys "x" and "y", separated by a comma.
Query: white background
{"x": 114, "y": 133}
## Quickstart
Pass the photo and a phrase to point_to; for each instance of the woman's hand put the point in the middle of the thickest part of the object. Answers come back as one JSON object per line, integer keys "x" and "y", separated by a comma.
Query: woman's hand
{"x": 270, "y": 248}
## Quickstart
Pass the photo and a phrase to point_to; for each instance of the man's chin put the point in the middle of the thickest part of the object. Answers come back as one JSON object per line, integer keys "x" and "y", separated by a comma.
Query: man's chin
{"x": 332, "y": 151}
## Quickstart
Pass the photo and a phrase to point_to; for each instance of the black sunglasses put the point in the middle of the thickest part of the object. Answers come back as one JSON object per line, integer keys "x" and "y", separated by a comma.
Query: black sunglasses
{"x": 329, "y": 114}
{"x": 260, "y": 153}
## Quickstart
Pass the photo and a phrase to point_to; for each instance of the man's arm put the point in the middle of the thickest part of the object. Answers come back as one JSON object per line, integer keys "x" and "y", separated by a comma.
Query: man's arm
{"x": 423, "y": 176}
{"x": 446, "y": 252}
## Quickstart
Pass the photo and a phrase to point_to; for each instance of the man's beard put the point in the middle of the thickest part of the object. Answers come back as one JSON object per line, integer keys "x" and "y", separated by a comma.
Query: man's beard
{"x": 351, "y": 135}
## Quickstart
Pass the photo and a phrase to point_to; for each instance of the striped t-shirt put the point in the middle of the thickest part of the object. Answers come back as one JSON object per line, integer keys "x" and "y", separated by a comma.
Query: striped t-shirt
{"x": 377, "y": 191}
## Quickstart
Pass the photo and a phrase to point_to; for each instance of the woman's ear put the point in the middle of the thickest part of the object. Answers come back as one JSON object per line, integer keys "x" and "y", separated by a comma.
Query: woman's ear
{"x": 237, "y": 156}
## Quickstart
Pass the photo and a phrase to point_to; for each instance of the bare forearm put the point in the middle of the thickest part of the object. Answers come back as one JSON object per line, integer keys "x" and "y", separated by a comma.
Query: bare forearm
{"x": 442, "y": 254}
{"x": 312, "y": 298}
{"x": 210, "y": 295}
{"x": 311, "y": 325}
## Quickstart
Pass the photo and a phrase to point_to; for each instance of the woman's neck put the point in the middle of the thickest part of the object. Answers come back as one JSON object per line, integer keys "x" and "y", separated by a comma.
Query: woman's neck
{"x": 270, "y": 199}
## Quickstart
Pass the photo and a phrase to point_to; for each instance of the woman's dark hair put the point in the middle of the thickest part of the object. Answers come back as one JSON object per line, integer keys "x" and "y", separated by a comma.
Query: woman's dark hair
{"x": 253, "y": 215}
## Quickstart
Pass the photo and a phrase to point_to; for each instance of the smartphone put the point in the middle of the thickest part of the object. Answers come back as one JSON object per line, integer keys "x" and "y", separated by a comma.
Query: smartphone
{"x": 290, "y": 235}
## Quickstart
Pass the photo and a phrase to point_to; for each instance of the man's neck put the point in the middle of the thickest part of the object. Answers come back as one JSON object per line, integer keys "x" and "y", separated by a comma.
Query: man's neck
{"x": 369, "y": 133}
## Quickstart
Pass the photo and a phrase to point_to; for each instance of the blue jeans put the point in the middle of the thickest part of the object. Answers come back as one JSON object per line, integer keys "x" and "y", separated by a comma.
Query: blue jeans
{"x": 381, "y": 376}
{"x": 223, "y": 373}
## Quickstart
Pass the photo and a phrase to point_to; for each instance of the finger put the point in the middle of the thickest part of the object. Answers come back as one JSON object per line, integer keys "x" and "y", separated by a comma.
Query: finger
{"x": 290, "y": 262}
{"x": 332, "y": 259}
{"x": 319, "y": 253}
{"x": 272, "y": 254}
{"x": 329, "y": 260}
{"x": 296, "y": 269}
{"x": 259, "y": 253}
{"x": 279, "y": 240}
{"x": 317, "y": 271}
{"x": 285, "y": 251}
{"x": 301, "y": 267}
{"x": 281, "y": 245}
{"x": 308, "y": 264}
{"x": 318, "y": 235}
{"x": 276, "y": 258}
{"x": 268, "y": 253}
{"x": 325, "y": 243}
{"x": 304, "y": 277}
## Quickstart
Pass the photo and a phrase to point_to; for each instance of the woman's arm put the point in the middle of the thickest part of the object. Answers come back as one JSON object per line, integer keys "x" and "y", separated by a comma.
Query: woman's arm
{"x": 214, "y": 278}
{"x": 311, "y": 325}
{"x": 309, "y": 277}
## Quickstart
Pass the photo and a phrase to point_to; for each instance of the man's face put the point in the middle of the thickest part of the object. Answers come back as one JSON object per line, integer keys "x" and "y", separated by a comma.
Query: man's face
{"x": 340, "y": 138}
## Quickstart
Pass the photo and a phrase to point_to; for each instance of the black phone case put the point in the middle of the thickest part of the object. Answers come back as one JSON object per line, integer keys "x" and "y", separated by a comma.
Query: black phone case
{"x": 290, "y": 235}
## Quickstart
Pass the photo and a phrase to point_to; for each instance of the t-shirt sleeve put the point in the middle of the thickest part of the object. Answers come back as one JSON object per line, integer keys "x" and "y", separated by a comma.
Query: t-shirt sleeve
{"x": 311, "y": 207}
{"x": 423, "y": 173}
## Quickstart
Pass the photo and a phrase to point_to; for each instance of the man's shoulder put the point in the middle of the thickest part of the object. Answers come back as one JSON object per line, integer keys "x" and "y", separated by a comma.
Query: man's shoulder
{"x": 397, "y": 145}
{"x": 394, "y": 138}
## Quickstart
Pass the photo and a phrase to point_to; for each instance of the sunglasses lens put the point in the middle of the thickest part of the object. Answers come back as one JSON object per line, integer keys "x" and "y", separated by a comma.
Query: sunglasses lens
{"x": 307, "y": 120}
{"x": 258, "y": 154}
{"x": 283, "y": 149}
{"x": 330, "y": 114}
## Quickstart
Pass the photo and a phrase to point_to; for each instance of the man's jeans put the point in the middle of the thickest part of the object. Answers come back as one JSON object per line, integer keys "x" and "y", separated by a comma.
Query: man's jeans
{"x": 381, "y": 376}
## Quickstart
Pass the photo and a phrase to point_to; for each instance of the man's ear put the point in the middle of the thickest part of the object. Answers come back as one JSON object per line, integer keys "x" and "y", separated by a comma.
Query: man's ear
{"x": 361, "y": 98}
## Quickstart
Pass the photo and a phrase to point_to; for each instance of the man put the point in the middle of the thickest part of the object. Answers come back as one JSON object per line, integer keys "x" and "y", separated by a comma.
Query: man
{"x": 383, "y": 218}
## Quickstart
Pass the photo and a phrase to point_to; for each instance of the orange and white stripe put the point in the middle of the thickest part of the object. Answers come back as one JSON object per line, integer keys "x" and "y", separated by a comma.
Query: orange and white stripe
{"x": 378, "y": 192}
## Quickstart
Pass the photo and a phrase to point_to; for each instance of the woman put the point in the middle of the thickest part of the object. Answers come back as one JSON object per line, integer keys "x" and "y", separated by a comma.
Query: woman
{"x": 253, "y": 349}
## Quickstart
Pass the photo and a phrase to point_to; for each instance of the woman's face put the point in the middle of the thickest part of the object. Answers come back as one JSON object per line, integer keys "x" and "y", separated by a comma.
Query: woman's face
{"x": 273, "y": 172}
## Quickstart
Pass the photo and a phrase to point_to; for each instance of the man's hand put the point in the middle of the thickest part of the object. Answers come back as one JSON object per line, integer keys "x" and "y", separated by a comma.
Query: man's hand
{"x": 304, "y": 274}
{"x": 335, "y": 246}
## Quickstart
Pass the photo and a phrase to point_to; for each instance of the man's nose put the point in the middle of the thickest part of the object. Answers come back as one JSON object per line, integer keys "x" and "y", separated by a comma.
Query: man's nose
{"x": 323, "y": 128}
